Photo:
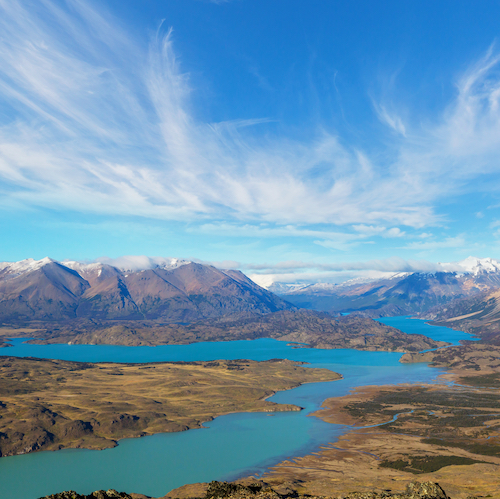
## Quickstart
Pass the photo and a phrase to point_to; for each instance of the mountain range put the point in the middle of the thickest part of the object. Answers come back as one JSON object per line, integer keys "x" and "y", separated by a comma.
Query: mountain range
{"x": 400, "y": 293}
{"x": 172, "y": 290}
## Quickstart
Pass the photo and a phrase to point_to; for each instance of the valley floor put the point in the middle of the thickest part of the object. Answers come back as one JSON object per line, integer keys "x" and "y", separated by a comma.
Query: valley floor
{"x": 446, "y": 433}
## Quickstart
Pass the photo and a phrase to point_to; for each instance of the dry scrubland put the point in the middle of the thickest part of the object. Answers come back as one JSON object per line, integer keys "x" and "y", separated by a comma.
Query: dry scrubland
{"x": 442, "y": 433}
{"x": 51, "y": 404}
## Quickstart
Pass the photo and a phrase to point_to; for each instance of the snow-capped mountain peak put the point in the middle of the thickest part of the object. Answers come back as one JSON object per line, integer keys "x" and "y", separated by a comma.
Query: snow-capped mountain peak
{"x": 284, "y": 288}
{"x": 29, "y": 265}
{"x": 127, "y": 263}
{"x": 474, "y": 265}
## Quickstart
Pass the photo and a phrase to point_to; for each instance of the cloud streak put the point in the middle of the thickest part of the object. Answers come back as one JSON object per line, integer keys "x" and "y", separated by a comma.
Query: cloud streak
{"x": 313, "y": 272}
{"x": 393, "y": 264}
{"x": 98, "y": 124}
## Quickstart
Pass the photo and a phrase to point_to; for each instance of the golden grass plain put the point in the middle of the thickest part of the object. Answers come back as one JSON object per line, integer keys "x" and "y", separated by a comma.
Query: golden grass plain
{"x": 52, "y": 404}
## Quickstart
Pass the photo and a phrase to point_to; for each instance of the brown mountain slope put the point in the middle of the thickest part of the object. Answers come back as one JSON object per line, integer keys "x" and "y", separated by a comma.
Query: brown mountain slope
{"x": 401, "y": 294}
{"x": 107, "y": 296}
{"x": 48, "y": 290}
{"x": 479, "y": 315}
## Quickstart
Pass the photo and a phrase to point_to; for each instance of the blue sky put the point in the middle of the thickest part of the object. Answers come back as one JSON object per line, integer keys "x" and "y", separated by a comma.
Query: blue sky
{"x": 299, "y": 138}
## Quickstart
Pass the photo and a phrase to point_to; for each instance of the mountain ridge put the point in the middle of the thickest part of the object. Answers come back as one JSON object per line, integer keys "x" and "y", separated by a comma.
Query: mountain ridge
{"x": 399, "y": 293}
{"x": 174, "y": 290}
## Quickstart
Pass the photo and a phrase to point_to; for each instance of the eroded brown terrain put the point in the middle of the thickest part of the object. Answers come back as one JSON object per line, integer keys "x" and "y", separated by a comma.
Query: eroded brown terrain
{"x": 469, "y": 360}
{"x": 309, "y": 328}
{"x": 51, "y": 404}
{"x": 478, "y": 315}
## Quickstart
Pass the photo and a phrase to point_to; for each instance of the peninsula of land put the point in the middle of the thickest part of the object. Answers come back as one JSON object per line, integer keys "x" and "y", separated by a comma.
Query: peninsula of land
{"x": 54, "y": 404}
{"x": 307, "y": 328}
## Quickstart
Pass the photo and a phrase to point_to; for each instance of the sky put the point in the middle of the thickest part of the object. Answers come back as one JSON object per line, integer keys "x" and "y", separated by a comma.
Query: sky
{"x": 295, "y": 140}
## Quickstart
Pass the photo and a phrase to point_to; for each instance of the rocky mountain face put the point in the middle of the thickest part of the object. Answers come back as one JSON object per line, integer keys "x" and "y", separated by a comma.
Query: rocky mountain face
{"x": 176, "y": 292}
{"x": 401, "y": 293}
{"x": 478, "y": 315}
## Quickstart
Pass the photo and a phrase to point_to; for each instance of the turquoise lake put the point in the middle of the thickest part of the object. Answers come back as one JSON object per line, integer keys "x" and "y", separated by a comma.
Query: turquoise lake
{"x": 230, "y": 446}
{"x": 418, "y": 326}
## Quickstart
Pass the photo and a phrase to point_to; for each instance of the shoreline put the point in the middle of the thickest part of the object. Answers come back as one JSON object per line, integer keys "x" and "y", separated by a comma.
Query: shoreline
{"x": 365, "y": 453}
{"x": 304, "y": 328}
{"x": 7, "y": 342}
{"x": 93, "y": 405}
{"x": 371, "y": 455}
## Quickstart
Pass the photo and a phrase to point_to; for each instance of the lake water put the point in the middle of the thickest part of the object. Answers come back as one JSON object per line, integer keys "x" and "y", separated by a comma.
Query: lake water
{"x": 230, "y": 446}
{"x": 417, "y": 326}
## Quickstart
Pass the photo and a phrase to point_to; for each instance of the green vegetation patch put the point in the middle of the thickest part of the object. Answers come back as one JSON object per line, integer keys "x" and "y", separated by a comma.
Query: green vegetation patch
{"x": 486, "y": 380}
{"x": 489, "y": 449}
{"x": 426, "y": 464}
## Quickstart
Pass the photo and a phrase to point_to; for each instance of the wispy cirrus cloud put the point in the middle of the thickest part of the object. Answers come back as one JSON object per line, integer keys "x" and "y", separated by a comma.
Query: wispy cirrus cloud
{"x": 393, "y": 264}
{"x": 338, "y": 240}
{"x": 97, "y": 123}
{"x": 270, "y": 231}
{"x": 448, "y": 242}
{"x": 393, "y": 121}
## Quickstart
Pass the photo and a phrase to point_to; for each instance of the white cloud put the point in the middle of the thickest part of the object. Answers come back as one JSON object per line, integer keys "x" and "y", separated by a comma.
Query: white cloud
{"x": 140, "y": 262}
{"x": 392, "y": 120}
{"x": 337, "y": 240}
{"x": 377, "y": 230}
{"x": 312, "y": 272}
{"x": 100, "y": 126}
{"x": 393, "y": 264}
{"x": 268, "y": 231}
{"x": 394, "y": 232}
{"x": 449, "y": 242}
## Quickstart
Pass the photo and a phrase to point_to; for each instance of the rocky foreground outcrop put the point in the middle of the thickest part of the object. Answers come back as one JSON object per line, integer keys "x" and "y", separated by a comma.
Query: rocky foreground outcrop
{"x": 99, "y": 494}
{"x": 224, "y": 490}
{"x": 414, "y": 490}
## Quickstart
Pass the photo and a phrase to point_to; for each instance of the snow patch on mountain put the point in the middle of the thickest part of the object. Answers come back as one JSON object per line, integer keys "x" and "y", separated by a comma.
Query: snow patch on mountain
{"x": 15, "y": 269}
{"x": 139, "y": 262}
{"x": 366, "y": 280}
{"x": 82, "y": 268}
{"x": 474, "y": 265}
{"x": 283, "y": 288}
{"x": 126, "y": 263}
